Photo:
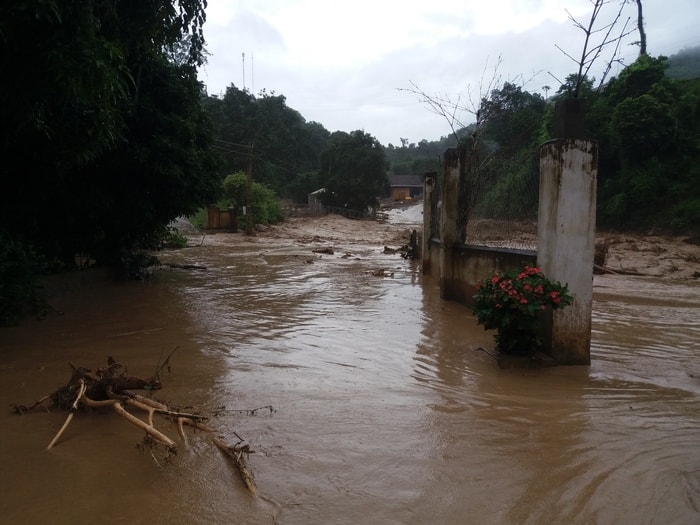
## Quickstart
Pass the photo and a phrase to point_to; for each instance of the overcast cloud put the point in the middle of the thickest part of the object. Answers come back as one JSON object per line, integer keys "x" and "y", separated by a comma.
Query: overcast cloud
{"x": 351, "y": 65}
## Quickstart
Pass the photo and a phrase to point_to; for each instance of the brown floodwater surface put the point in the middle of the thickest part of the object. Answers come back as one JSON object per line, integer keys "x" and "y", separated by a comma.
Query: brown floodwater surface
{"x": 384, "y": 409}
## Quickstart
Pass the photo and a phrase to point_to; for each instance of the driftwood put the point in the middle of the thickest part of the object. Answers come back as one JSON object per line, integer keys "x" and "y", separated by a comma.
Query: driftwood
{"x": 237, "y": 453}
{"x": 112, "y": 387}
{"x": 604, "y": 269}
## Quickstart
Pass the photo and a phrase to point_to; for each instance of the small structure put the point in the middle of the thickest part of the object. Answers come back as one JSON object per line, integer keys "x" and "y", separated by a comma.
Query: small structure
{"x": 405, "y": 187}
{"x": 315, "y": 204}
{"x": 218, "y": 219}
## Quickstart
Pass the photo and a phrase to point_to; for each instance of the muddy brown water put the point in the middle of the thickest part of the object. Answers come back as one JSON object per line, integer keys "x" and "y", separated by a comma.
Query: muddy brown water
{"x": 384, "y": 412}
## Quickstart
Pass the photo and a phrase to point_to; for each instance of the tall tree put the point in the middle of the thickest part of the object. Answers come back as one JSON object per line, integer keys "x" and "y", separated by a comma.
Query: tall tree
{"x": 282, "y": 145}
{"x": 86, "y": 78}
{"x": 353, "y": 171}
{"x": 640, "y": 28}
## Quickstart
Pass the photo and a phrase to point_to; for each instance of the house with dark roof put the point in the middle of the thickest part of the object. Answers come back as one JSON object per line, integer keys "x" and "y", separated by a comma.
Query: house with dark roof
{"x": 405, "y": 187}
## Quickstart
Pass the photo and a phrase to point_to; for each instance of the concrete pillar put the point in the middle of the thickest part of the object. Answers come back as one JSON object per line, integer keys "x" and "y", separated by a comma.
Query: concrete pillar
{"x": 454, "y": 161}
{"x": 428, "y": 195}
{"x": 566, "y": 241}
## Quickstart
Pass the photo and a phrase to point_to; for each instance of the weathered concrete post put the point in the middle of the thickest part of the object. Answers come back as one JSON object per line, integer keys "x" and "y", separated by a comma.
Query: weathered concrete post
{"x": 449, "y": 237}
{"x": 426, "y": 245}
{"x": 566, "y": 241}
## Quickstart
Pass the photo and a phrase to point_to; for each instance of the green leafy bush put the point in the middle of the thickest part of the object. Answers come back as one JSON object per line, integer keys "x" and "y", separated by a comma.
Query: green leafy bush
{"x": 266, "y": 209}
{"x": 514, "y": 304}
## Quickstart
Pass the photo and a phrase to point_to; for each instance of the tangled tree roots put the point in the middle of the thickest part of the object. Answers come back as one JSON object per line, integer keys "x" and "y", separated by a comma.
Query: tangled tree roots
{"x": 111, "y": 387}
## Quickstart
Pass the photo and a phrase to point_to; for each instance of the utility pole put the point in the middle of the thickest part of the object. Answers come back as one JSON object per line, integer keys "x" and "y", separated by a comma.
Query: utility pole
{"x": 249, "y": 193}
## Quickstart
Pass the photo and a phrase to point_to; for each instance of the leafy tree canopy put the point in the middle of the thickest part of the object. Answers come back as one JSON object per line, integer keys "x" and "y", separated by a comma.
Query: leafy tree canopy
{"x": 264, "y": 201}
{"x": 263, "y": 132}
{"x": 353, "y": 171}
{"x": 104, "y": 139}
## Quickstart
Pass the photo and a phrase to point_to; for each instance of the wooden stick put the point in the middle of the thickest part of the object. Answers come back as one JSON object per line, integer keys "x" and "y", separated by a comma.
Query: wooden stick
{"x": 119, "y": 409}
{"x": 73, "y": 410}
{"x": 149, "y": 429}
{"x": 237, "y": 456}
{"x": 92, "y": 403}
{"x": 197, "y": 425}
{"x": 162, "y": 411}
{"x": 147, "y": 401}
{"x": 181, "y": 429}
{"x": 147, "y": 409}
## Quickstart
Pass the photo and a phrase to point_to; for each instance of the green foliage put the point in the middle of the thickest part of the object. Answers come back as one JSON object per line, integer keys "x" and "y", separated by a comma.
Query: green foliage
{"x": 20, "y": 266}
{"x": 235, "y": 188}
{"x": 199, "y": 218}
{"x": 685, "y": 215}
{"x": 266, "y": 209}
{"x": 514, "y": 303}
{"x": 512, "y": 194}
{"x": 503, "y": 177}
{"x": 167, "y": 238}
{"x": 642, "y": 127}
{"x": 265, "y": 134}
{"x": 298, "y": 189}
{"x": 353, "y": 171}
{"x": 646, "y": 127}
{"x": 574, "y": 87}
{"x": 637, "y": 79}
{"x": 417, "y": 159}
{"x": 510, "y": 117}
{"x": 102, "y": 122}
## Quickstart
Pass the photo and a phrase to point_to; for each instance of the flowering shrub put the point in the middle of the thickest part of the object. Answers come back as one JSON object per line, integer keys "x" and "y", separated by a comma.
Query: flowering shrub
{"x": 514, "y": 303}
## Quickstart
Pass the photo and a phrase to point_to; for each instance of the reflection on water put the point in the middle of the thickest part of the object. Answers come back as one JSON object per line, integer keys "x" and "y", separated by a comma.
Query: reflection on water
{"x": 385, "y": 409}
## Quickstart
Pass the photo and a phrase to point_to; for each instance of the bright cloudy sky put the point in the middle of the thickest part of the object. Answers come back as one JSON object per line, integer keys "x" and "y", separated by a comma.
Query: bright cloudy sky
{"x": 352, "y": 65}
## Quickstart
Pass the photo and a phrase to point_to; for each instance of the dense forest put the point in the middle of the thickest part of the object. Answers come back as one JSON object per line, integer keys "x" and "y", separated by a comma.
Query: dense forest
{"x": 109, "y": 136}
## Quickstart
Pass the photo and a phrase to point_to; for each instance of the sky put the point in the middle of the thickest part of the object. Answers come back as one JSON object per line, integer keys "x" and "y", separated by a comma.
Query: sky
{"x": 369, "y": 64}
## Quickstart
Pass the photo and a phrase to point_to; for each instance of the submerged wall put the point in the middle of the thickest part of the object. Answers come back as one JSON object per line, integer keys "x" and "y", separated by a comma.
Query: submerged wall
{"x": 565, "y": 249}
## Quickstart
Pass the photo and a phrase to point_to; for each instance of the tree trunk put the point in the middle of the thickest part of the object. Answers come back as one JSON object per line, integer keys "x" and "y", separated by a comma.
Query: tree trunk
{"x": 640, "y": 26}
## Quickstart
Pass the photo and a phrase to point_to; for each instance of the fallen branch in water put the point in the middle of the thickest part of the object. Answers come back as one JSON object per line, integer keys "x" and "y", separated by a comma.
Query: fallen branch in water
{"x": 73, "y": 410}
{"x": 111, "y": 387}
{"x": 604, "y": 269}
{"x": 236, "y": 453}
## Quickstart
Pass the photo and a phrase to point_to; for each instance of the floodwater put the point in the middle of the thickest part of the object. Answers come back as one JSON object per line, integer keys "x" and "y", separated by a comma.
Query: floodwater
{"x": 384, "y": 410}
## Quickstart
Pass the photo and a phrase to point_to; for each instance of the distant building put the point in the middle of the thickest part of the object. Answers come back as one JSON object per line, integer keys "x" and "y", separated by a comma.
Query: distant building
{"x": 406, "y": 187}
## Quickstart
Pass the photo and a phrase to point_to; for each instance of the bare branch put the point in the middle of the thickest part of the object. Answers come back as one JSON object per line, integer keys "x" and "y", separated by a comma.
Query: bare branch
{"x": 450, "y": 110}
{"x": 592, "y": 52}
